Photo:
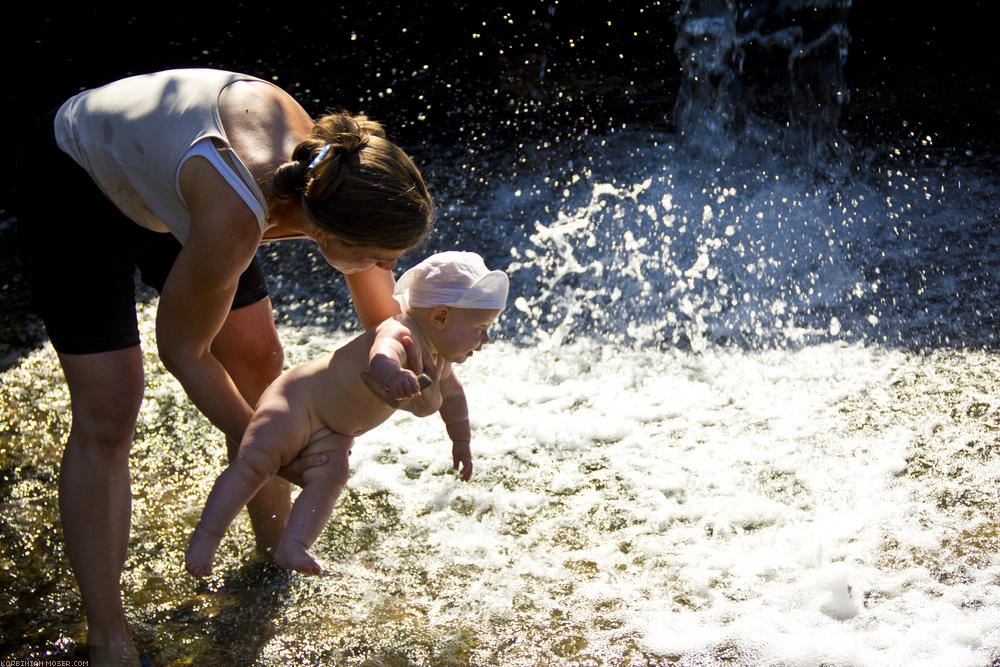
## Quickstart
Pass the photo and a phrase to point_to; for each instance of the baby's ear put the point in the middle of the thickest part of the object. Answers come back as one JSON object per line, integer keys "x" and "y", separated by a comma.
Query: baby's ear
{"x": 439, "y": 316}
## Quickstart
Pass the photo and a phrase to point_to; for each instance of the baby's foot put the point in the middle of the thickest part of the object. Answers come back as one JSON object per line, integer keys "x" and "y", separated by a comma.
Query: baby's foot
{"x": 200, "y": 553}
{"x": 295, "y": 557}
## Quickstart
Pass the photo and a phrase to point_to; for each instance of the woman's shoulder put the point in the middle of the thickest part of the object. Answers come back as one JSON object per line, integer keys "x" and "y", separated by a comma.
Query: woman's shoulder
{"x": 263, "y": 124}
{"x": 254, "y": 102}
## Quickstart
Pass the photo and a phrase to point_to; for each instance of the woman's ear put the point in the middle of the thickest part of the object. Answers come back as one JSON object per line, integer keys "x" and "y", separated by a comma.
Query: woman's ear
{"x": 321, "y": 236}
{"x": 439, "y": 317}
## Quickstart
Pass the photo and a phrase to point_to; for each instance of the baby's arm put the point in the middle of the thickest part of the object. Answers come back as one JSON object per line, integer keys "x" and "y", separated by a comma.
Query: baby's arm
{"x": 455, "y": 414}
{"x": 387, "y": 361}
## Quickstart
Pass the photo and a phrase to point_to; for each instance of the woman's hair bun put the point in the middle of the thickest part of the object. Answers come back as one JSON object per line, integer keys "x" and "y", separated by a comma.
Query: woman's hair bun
{"x": 357, "y": 185}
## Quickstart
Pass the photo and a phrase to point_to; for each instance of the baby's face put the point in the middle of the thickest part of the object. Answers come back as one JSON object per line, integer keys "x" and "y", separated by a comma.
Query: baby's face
{"x": 465, "y": 332}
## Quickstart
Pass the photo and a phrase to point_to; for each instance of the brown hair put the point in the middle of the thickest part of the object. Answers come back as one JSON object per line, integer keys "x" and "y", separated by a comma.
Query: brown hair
{"x": 357, "y": 185}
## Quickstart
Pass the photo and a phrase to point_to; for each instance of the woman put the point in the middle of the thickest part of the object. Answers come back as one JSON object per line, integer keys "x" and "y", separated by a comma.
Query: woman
{"x": 195, "y": 173}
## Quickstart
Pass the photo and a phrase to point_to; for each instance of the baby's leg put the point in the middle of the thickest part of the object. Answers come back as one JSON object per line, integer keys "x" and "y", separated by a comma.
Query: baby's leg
{"x": 312, "y": 509}
{"x": 232, "y": 491}
{"x": 262, "y": 453}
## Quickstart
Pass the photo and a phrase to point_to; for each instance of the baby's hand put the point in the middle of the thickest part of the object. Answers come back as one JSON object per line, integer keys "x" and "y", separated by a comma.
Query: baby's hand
{"x": 461, "y": 454}
{"x": 402, "y": 385}
{"x": 390, "y": 381}
{"x": 393, "y": 383}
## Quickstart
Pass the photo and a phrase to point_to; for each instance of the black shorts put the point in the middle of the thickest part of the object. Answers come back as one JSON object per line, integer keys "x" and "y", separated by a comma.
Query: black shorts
{"x": 80, "y": 253}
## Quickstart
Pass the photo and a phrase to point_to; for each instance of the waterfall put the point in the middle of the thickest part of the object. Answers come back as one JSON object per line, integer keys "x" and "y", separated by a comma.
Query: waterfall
{"x": 761, "y": 73}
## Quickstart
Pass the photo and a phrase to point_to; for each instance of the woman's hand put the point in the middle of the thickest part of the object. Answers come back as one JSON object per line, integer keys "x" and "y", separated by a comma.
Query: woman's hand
{"x": 315, "y": 453}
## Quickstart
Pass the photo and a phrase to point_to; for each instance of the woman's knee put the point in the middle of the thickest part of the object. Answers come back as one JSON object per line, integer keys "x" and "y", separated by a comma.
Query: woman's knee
{"x": 252, "y": 366}
{"x": 266, "y": 357}
{"x": 109, "y": 425}
{"x": 105, "y": 395}
{"x": 249, "y": 348}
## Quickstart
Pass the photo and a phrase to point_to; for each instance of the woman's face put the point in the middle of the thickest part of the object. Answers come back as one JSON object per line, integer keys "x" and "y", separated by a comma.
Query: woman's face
{"x": 350, "y": 259}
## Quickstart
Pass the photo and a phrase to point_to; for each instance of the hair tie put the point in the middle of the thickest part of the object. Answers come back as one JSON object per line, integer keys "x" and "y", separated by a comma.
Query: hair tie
{"x": 319, "y": 156}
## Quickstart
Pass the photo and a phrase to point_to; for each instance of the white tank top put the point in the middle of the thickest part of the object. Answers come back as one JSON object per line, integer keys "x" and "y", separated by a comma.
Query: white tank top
{"x": 133, "y": 135}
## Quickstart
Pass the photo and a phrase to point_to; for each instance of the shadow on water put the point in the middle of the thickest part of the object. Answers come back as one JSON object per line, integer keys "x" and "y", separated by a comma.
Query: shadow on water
{"x": 245, "y": 608}
{"x": 22, "y": 330}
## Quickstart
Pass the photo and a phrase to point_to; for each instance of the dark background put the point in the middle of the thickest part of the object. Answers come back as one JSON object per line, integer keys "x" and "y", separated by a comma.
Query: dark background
{"x": 551, "y": 62}
{"x": 465, "y": 77}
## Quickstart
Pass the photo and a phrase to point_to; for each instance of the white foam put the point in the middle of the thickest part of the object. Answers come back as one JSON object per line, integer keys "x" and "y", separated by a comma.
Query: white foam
{"x": 713, "y": 498}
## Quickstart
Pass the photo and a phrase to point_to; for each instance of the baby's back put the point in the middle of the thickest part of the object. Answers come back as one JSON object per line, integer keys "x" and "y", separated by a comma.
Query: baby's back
{"x": 333, "y": 391}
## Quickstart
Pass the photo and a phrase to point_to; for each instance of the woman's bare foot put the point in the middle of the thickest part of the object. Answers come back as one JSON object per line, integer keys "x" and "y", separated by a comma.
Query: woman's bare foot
{"x": 113, "y": 656}
{"x": 295, "y": 557}
{"x": 201, "y": 553}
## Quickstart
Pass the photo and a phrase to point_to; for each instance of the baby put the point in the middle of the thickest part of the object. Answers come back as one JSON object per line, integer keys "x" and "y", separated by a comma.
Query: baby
{"x": 448, "y": 303}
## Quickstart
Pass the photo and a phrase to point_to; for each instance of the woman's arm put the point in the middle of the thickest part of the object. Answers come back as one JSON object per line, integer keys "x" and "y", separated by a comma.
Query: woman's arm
{"x": 198, "y": 294}
{"x": 371, "y": 292}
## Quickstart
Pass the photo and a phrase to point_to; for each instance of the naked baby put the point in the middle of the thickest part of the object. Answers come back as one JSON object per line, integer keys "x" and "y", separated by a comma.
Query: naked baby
{"x": 448, "y": 303}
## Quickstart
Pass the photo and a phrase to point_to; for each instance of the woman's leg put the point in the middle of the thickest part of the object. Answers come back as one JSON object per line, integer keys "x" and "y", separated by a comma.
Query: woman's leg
{"x": 311, "y": 512}
{"x": 250, "y": 350}
{"x": 94, "y": 490}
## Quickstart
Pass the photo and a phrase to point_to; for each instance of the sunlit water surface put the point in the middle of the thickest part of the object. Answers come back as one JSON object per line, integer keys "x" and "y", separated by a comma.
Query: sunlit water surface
{"x": 740, "y": 415}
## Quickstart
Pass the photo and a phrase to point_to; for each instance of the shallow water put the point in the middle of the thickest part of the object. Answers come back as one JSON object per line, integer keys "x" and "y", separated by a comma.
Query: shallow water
{"x": 836, "y": 504}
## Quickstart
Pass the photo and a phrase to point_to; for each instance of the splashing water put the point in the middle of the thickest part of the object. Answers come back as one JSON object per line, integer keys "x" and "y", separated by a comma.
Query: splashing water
{"x": 645, "y": 250}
